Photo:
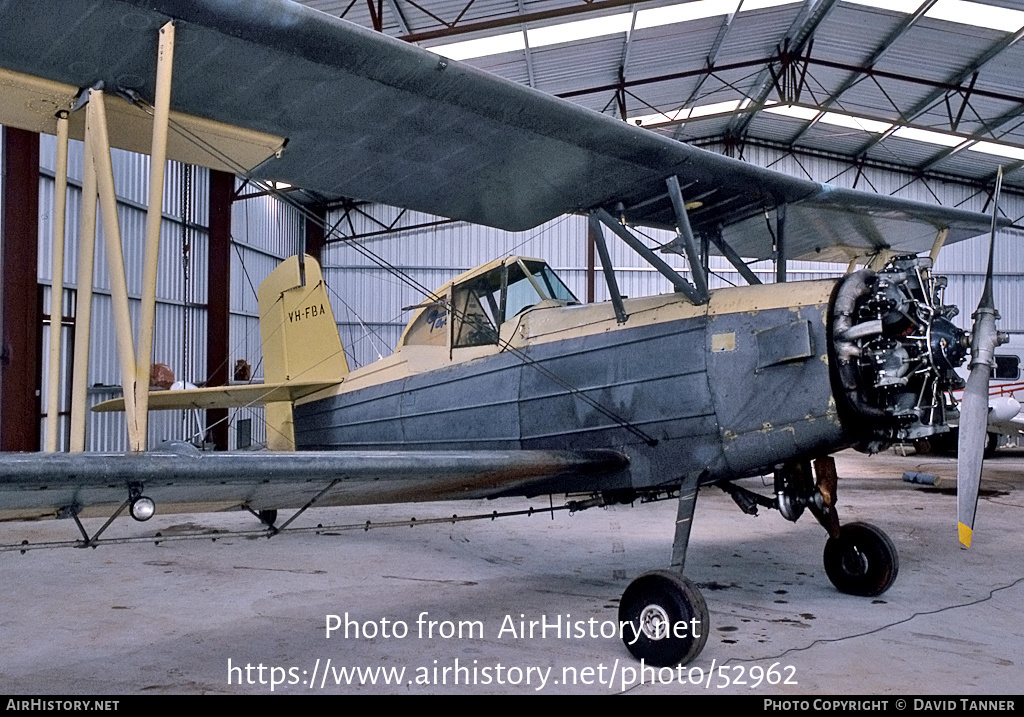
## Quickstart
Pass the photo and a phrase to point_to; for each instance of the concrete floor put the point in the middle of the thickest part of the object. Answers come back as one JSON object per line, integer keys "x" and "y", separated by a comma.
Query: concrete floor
{"x": 174, "y": 618}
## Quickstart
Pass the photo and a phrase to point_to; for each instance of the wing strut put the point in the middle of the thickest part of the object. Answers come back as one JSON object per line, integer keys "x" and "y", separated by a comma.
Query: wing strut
{"x": 60, "y": 193}
{"x": 781, "y": 255}
{"x": 606, "y": 266}
{"x": 154, "y": 216}
{"x": 700, "y": 279}
{"x": 735, "y": 259}
{"x": 98, "y": 181}
{"x": 83, "y": 307}
{"x": 101, "y": 161}
{"x": 681, "y": 285}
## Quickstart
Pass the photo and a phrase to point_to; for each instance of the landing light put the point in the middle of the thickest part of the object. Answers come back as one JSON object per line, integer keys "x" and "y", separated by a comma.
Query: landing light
{"x": 142, "y": 508}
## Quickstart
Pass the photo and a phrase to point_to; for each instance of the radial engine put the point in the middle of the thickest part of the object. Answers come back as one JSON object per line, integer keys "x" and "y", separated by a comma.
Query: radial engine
{"x": 895, "y": 349}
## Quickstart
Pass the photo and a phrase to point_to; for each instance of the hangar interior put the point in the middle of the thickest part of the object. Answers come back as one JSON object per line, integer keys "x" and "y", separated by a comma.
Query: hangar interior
{"x": 914, "y": 98}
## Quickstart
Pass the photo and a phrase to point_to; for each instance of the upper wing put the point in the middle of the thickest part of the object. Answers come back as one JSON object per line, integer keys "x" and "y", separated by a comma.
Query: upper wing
{"x": 370, "y": 117}
{"x": 34, "y": 485}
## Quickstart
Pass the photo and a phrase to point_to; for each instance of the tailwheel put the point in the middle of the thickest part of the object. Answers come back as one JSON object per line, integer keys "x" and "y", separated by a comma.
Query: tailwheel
{"x": 669, "y": 619}
{"x": 861, "y": 561}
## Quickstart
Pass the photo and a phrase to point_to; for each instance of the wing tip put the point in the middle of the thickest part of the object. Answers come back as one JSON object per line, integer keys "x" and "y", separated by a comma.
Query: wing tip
{"x": 965, "y": 533}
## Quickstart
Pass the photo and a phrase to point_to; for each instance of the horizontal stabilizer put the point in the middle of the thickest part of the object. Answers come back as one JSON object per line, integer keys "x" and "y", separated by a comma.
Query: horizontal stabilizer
{"x": 256, "y": 394}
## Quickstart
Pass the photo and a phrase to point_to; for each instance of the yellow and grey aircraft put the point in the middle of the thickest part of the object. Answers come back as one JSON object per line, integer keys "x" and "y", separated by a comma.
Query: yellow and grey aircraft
{"x": 503, "y": 384}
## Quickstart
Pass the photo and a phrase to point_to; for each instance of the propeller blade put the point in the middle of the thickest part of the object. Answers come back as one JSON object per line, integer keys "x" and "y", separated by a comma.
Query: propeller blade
{"x": 974, "y": 406}
{"x": 971, "y": 449}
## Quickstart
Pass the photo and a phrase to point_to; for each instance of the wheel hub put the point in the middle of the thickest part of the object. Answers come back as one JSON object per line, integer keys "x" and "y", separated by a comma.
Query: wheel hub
{"x": 654, "y": 622}
{"x": 854, "y": 562}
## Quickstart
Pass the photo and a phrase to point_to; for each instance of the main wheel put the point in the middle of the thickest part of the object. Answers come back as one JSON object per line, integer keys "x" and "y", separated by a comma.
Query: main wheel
{"x": 861, "y": 561}
{"x": 269, "y": 517}
{"x": 667, "y": 617}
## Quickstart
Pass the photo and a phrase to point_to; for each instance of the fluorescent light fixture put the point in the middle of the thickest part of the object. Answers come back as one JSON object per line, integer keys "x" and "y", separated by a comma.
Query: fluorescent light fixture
{"x": 999, "y": 149}
{"x": 482, "y": 47}
{"x": 803, "y": 113}
{"x": 853, "y": 122}
{"x": 978, "y": 14}
{"x": 579, "y": 30}
{"x": 904, "y": 6}
{"x": 926, "y": 135}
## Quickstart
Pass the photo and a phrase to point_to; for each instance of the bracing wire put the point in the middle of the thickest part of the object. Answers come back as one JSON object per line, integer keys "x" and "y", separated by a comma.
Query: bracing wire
{"x": 405, "y": 278}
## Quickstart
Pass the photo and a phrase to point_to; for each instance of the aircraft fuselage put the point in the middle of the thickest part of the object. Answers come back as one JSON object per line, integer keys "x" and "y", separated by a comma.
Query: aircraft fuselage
{"x": 716, "y": 391}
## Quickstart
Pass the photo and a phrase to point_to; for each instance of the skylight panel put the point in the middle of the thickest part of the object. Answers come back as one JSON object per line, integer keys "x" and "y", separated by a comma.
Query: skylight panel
{"x": 683, "y": 113}
{"x": 978, "y": 14}
{"x": 481, "y": 47}
{"x": 715, "y": 108}
{"x": 579, "y": 30}
{"x": 999, "y": 149}
{"x": 803, "y": 113}
{"x": 904, "y": 6}
{"x": 853, "y": 122}
{"x": 660, "y": 117}
{"x": 762, "y": 4}
{"x": 684, "y": 12}
{"x": 926, "y": 135}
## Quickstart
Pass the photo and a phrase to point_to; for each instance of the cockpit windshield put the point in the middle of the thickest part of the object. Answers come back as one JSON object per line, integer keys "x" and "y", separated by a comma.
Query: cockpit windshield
{"x": 482, "y": 303}
{"x": 485, "y": 302}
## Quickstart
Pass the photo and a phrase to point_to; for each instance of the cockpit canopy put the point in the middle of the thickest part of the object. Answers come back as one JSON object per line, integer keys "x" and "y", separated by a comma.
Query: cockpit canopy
{"x": 481, "y": 300}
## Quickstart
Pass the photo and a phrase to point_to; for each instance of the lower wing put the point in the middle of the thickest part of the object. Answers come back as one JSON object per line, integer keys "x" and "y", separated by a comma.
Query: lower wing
{"x": 34, "y": 485}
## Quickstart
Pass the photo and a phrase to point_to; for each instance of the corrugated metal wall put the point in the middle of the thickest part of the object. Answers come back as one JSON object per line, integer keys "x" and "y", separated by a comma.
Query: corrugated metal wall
{"x": 264, "y": 230}
{"x": 180, "y": 330}
{"x": 265, "y": 233}
{"x": 370, "y": 298}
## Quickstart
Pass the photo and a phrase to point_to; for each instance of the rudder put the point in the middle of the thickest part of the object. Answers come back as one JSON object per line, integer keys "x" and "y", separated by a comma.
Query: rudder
{"x": 299, "y": 336}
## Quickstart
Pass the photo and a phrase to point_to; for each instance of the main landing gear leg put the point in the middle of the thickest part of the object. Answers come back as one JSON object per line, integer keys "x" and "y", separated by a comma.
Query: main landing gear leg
{"x": 859, "y": 558}
{"x": 666, "y": 616}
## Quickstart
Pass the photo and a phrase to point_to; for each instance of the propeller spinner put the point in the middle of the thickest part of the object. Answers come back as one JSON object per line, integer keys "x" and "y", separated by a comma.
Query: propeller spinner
{"x": 974, "y": 406}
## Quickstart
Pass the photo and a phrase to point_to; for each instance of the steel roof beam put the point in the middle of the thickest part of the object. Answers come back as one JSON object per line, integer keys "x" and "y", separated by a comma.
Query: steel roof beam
{"x": 865, "y": 162}
{"x": 796, "y": 37}
{"x": 529, "y": 55}
{"x": 399, "y": 16}
{"x": 988, "y": 131}
{"x": 455, "y": 29}
{"x": 716, "y": 46}
{"x": 953, "y": 83}
{"x": 880, "y": 51}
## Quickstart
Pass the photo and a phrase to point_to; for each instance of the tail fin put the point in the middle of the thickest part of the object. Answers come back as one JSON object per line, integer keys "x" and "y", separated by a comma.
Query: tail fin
{"x": 300, "y": 338}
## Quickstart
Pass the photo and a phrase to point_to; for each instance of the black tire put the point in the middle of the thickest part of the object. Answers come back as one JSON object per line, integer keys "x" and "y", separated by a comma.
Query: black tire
{"x": 666, "y": 599}
{"x": 991, "y": 444}
{"x": 924, "y": 446}
{"x": 861, "y": 561}
{"x": 269, "y": 517}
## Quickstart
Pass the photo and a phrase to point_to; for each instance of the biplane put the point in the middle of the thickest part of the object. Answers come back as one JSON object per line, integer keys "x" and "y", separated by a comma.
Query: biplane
{"x": 503, "y": 383}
